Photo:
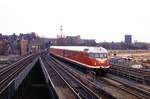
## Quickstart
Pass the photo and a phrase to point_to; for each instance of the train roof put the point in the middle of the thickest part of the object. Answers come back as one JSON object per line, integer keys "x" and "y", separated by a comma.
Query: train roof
{"x": 82, "y": 48}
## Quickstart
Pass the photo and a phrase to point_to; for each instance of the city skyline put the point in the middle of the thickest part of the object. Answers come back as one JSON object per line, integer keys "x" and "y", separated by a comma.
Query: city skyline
{"x": 101, "y": 20}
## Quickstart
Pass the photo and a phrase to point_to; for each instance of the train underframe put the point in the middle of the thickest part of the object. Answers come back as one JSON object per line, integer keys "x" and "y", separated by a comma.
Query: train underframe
{"x": 100, "y": 71}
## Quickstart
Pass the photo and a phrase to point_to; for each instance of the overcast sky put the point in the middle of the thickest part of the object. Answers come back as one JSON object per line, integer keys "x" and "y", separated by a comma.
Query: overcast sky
{"x": 103, "y": 20}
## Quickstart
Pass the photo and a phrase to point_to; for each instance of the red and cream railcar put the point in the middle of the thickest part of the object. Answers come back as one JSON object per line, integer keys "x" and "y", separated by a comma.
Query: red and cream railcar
{"x": 92, "y": 58}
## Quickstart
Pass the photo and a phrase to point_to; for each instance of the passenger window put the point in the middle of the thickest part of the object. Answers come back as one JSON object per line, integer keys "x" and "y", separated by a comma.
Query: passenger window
{"x": 96, "y": 55}
{"x": 91, "y": 55}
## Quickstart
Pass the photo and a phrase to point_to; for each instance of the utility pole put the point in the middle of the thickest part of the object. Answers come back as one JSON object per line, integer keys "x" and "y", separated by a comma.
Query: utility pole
{"x": 61, "y": 36}
{"x": 61, "y": 29}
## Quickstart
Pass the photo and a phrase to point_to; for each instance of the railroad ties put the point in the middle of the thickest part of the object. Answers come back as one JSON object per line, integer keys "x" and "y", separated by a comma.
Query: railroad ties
{"x": 65, "y": 84}
{"x": 137, "y": 75}
{"x": 68, "y": 81}
{"x": 11, "y": 76}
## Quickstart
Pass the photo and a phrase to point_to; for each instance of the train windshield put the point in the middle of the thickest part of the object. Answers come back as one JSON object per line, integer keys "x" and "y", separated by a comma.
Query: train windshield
{"x": 98, "y": 55}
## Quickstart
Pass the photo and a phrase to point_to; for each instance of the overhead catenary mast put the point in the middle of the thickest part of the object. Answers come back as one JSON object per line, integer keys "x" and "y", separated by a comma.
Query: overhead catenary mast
{"x": 61, "y": 29}
{"x": 61, "y": 37}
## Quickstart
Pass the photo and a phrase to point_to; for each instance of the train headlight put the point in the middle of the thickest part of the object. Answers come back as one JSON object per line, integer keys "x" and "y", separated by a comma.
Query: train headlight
{"x": 101, "y": 62}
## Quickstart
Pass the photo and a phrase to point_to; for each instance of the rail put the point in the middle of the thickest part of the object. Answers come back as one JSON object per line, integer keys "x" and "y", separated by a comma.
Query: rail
{"x": 75, "y": 83}
{"x": 133, "y": 91}
{"x": 10, "y": 72}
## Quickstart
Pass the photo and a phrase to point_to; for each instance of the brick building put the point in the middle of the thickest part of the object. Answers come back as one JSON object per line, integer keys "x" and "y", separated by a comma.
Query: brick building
{"x": 3, "y": 47}
{"x": 23, "y": 46}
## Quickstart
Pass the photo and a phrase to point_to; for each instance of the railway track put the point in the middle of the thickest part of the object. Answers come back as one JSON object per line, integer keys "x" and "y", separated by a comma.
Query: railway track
{"x": 138, "y": 75}
{"x": 90, "y": 86}
{"x": 8, "y": 73}
{"x": 131, "y": 87}
{"x": 59, "y": 84}
{"x": 126, "y": 87}
{"x": 76, "y": 85}
{"x": 107, "y": 84}
{"x": 123, "y": 69}
{"x": 2, "y": 69}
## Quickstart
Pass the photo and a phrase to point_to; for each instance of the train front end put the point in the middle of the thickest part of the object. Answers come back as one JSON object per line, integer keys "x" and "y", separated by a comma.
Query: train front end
{"x": 99, "y": 60}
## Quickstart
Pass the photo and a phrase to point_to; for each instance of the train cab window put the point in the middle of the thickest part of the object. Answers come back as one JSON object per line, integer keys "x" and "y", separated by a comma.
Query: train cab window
{"x": 103, "y": 55}
{"x": 91, "y": 55}
{"x": 98, "y": 55}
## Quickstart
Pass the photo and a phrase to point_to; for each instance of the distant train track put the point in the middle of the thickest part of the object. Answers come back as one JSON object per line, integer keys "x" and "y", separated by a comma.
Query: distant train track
{"x": 75, "y": 84}
{"x": 141, "y": 71}
{"x": 125, "y": 86}
{"x": 138, "y": 75}
{"x": 8, "y": 73}
{"x": 131, "y": 91}
{"x": 3, "y": 68}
